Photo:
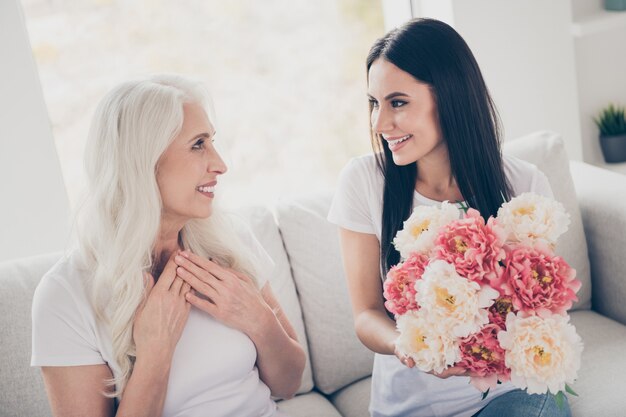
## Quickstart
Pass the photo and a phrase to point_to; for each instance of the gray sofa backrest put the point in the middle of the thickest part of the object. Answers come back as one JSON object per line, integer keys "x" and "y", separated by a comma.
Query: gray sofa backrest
{"x": 21, "y": 387}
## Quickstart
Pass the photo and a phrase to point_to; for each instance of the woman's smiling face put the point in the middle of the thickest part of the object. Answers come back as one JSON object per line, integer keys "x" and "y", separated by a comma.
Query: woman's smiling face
{"x": 404, "y": 113}
{"x": 188, "y": 169}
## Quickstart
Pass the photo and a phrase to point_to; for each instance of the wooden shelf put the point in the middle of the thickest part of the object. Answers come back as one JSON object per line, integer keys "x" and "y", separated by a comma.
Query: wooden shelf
{"x": 600, "y": 21}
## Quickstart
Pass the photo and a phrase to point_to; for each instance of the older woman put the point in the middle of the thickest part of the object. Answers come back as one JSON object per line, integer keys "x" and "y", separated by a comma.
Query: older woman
{"x": 164, "y": 308}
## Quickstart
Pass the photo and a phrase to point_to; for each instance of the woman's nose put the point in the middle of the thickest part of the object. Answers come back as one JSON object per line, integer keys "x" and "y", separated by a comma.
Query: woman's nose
{"x": 381, "y": 121}
{"x": 216, "y": 163}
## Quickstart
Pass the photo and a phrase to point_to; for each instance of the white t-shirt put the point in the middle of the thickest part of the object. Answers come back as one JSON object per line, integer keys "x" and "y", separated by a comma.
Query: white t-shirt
{"x": 213, "y": 368}
{"x": 396, "y": 389}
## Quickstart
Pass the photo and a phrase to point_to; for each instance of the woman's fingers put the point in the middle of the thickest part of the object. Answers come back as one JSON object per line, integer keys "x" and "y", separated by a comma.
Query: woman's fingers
{"x": 204, "y": 305}
{"x": 452, "y": 371}
{"x": 197, "y": 260}
{"x": 168, "y": 275}
{"x": 241, "y": 276}
{"x": 185, "y": 288}
{"x": 407, "y": 361}
{"x": 177, "y": 285}
{"x": 198, "y": 271}
{"x": 196, "y": 283}
{"x": 206, "y": 264}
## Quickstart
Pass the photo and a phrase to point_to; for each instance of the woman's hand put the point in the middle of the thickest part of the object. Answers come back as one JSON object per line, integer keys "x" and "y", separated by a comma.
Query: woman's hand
{"x": 405, "y": 359}
{"x": 233, "y": 299}
{"x": 161, "y": 317}
{"x": 229, "y": 296}
{"x": 452, "y": 371}
{"x": 447, "y": 373}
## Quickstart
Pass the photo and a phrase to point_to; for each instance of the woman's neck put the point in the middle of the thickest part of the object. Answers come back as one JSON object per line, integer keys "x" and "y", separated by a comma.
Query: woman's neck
{"x": 435, "y": 180}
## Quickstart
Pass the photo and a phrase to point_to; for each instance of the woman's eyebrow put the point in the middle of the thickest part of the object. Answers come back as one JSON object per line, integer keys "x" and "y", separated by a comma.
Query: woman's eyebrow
{"x": 204, "y": 135}
{"x": 395, "y": 94}
{"x": 390, "y": 96}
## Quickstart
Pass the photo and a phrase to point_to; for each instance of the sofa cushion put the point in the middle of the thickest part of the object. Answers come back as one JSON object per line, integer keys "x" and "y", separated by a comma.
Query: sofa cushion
{"x": 547, "y": 152}
{"x": 263, "y": 225}
{"x": 312, "y": 243}
{"x": 602, "y": 198}
{"x": 600, "y": 384}
{"x": 21, "y": 387}
{"x": 353, "y": 400}
{"x": 312, "y": 404}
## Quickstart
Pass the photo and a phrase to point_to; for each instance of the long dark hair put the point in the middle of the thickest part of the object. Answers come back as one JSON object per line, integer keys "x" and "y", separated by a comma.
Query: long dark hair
{"x": 435, "y": 54}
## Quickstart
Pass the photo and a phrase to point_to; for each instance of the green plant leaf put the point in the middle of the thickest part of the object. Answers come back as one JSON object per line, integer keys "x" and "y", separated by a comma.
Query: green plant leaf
{"x": 611, "y": 121}
{"x": 570, "y": 390}
{"x": 559, "y": 398}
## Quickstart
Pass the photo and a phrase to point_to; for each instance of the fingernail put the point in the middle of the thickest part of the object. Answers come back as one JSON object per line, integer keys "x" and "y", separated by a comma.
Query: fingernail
{"x": 178, "y": 258}
{"x": 185, "y": 254}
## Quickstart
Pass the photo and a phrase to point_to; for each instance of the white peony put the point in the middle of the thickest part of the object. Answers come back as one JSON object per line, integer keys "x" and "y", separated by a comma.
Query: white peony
{"x": 424, "y": 341}
{"x": 529, "y": 218}
{"x": 542, "y": 353}
{"x": 421, "y": 228}
{"x": 452, "y": 301}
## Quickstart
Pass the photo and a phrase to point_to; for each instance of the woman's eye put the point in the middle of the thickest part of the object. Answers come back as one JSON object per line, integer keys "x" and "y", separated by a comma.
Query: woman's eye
{"x": 198, "y": 145}
{"x": 397, "y": 103}
{"x": 374, "y": 104}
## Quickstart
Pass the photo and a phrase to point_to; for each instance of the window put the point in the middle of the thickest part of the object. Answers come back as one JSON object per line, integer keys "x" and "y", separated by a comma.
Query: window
{"x": 287, "y": 78}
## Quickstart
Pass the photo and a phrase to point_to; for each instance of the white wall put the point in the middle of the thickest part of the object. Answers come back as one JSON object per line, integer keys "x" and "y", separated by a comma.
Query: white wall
{"x": 33, "y": 202}
{"x": 601, "y": 80}
{"x": 526, "y": 53}
{"x": 599, "y": 39}
{"x": 396, "y": 12}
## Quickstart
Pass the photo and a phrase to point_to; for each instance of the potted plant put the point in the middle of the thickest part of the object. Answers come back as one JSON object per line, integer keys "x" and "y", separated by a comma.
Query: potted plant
{"x": 615, "y": 5}
{"x": 612, "y": 125}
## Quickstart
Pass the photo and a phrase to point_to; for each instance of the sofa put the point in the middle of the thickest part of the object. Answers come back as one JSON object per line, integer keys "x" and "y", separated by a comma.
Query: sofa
{"x": 309, "y": 283}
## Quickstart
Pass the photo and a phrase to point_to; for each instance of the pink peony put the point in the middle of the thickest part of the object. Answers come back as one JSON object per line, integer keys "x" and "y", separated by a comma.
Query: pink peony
{"x": 399, "y": 287}
{"x": 482, "y": 355}
{"x": 498, "y": 311}
{"x": 473, "y": 247}
{"x": 537, "y": 282}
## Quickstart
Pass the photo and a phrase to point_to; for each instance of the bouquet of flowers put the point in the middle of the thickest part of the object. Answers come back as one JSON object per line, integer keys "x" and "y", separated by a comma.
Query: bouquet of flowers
{"x": 488, "y": 296}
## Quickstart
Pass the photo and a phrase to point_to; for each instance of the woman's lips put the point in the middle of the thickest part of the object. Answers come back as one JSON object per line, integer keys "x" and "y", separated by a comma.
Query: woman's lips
{"x": 396, "y": 144}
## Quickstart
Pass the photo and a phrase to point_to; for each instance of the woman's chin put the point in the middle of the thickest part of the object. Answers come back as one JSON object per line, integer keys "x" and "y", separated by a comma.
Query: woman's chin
{"x": 203, "y": 213}
{"x": 402, "y": 160}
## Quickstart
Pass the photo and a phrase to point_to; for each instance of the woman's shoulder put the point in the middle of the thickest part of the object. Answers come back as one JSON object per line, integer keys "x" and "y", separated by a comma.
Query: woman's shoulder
{"x": 524, "y": 176}
{"x": 363, "y": 163}
{"x": 362, "y": 170}
{"x": 63, "y": 282}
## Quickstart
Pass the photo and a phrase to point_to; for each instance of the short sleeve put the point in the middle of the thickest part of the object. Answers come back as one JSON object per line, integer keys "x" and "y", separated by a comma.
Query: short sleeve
{"x": 263, "y": 263}
{"x": 541, "y": 185}
{"x": 526, "y": 177}
{"x": 60, "y": 334}
{"x": 350, "y": 205}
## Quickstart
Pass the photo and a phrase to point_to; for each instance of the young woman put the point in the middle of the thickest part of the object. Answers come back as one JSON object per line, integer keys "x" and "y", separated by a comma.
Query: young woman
{"x": 435, "y": 134}
{"x": 164, "y": 308}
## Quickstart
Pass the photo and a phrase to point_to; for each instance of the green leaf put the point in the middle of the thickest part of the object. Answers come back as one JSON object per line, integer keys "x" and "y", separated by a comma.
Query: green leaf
{"x": 570, "y": 390}
{"x": 611, "y": 121}
{"x": 485, "y": 394}
{"x": 559, "y": 398}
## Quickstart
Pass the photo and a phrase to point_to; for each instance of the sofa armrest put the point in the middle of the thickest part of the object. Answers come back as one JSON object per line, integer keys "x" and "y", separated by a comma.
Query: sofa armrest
{"x": 602, "y": 199}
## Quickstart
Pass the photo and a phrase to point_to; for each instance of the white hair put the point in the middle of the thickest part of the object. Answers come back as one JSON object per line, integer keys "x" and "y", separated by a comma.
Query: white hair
{"x": 118, "y": 223}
